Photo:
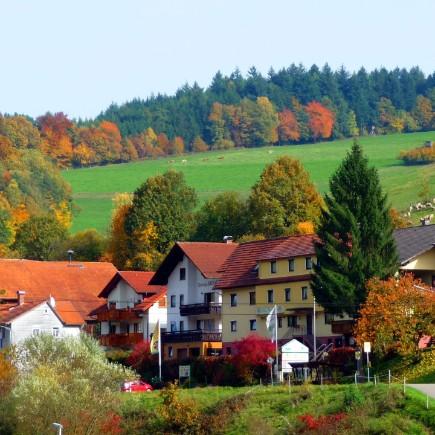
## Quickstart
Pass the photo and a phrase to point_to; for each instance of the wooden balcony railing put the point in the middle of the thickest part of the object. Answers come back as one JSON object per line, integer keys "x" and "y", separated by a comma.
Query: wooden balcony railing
{"x": 114, "y": 314}
{"x": 121, "y": 340}
{"x": 191, "y": 336}
{"x": 197, "y": 309}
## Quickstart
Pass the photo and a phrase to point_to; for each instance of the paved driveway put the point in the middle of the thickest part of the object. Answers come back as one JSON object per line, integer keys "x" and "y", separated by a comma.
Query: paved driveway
{"x": 425, "y": 388}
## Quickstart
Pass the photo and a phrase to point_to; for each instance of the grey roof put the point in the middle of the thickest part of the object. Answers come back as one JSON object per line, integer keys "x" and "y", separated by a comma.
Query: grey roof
{"x": 414, "y": 241}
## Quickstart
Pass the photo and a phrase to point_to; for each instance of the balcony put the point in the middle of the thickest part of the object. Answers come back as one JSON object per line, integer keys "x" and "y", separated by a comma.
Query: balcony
{"x": 113, "y": 314}
{"x": 197, "y": 309}
{"x": 121, "y": 340}
{"x": 342, "y": 327}
{"x": 191, "y": 336}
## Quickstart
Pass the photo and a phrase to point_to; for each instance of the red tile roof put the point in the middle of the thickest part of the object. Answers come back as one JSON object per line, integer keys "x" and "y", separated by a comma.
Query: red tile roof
{"x": 208, "y": 258}
{"x": 293, "y": 246}
{"x": 240, "y": 268}
{"x": 138, "y": 281}
{"x": 74, "y": 286}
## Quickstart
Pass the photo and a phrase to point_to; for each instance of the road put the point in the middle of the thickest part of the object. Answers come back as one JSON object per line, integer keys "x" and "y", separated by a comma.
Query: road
{"x": 425, "y": 388}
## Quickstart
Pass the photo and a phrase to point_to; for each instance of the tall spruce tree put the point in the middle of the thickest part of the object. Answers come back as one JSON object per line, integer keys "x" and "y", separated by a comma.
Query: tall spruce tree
{"x": 356, "y": 236}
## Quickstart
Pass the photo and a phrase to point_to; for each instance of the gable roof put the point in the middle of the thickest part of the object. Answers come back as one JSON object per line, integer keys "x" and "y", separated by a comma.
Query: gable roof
{"x": 414, "y": 241}
{"x": 138, "y": 281}
{"x": 207, "y": 257}
{"x": 75, "y": 286}
{"x": 240, "y": 268}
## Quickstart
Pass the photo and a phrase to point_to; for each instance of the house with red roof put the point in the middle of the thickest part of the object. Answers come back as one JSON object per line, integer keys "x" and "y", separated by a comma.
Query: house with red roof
{"x": 194, "y": 325}
{"x": 264, "y": 274}
{"x": 132, "y": 309}
{"x": 49, "y": 296}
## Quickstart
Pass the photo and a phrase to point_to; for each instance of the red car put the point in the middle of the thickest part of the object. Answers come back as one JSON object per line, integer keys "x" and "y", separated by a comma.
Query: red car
{"x": 136, "y": 387}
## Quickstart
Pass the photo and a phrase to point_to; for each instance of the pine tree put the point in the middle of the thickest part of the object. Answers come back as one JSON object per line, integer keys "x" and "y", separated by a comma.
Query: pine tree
{"x": 356, "y": 236}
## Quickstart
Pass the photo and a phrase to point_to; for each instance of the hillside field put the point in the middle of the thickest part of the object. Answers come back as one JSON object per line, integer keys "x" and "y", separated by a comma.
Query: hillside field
{"x": 216, "y": 171}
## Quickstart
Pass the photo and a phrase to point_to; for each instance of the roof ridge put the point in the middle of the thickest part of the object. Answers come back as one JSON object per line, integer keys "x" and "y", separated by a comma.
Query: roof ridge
{"x": 278, "y": 238}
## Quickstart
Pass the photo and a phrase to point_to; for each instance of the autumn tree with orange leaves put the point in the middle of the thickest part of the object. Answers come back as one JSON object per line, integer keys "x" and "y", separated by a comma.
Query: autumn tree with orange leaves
{"x": 396, "y": 315}
{"x": 288, "y": 128}
{"x": 321, "y": 120}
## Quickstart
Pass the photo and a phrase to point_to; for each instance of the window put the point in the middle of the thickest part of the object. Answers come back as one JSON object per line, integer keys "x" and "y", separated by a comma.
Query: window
{"x": 173, "y": 326}
{"x": 173, "y": 301}
{"x": 198, "y": 324}
{"x": 252, "y": 325}
{"x": 308, "y": 263}
{"x": 304, "y": 293}
{"x": 270, "y": 296}
{"x": 273, "y": 267}
{"x": 329, "y": 317}
{"x": 291, "y": 265}
{"x": 233, "y": 325}
{"x": 55, "y": 332}
{"x": 292, "y": 321}
{"x": 252, "y": 298}
{"x": 112, "y": 329}
{"x": 279, "y": 322}
{"x": 181, "y": 300}
{"x": 287, "y": 294}
{"x": 234, "y": 299}
{"x": 135, "y": 328}
{"x": 182, "y": 273}
{"x": 170, "y": 352}
{"x": 181, "y": 325}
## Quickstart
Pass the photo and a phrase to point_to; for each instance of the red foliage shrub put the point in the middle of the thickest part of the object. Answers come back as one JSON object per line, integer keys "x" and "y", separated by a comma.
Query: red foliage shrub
{"x": 253, "y": 350}
{"x": 140, "y": 354}
{"x": 112, "y": 426}
{"x": 323, "y": 424}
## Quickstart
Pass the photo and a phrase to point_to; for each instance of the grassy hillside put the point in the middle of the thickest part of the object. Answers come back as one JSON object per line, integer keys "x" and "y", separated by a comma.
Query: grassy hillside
{"x": 366, "y": 409}
{"x": 217, "y": 171}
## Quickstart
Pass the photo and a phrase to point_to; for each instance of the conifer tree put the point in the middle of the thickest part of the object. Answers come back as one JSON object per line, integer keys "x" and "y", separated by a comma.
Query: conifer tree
{"x": 356, "y": 236}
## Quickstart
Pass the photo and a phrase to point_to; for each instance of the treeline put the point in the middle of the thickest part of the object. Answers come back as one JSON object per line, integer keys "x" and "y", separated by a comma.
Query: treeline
{"x": 293, "y": 105}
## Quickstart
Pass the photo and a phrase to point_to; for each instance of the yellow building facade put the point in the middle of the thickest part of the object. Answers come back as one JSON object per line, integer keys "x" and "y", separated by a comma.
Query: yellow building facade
{"x": 281, "y": 278}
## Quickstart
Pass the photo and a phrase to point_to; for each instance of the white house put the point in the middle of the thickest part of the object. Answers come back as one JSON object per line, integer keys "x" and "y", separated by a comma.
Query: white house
{"x": 132, "y": 309}
{"x": 190, "y": 271}
{"x": 20, "y": 319}
{"x": 44, "y": 296}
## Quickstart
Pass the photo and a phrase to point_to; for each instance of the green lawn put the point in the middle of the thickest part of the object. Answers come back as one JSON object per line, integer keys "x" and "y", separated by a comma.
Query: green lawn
{"x": 217, "y": 171}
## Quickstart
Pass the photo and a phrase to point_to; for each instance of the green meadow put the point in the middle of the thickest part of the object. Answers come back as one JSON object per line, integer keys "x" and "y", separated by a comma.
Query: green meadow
{"x": 216, "y": 171}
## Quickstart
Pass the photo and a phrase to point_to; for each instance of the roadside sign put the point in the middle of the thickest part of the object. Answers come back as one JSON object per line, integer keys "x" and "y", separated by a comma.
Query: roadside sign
{"x": 367, "y": 347}
{"x": 357, "y": 355}
{"x": 184, "y": 371}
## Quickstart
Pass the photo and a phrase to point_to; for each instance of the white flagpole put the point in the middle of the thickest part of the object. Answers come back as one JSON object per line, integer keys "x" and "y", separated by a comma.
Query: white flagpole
{"x": 160, "y": 352}
{"x": 276, "y": 340}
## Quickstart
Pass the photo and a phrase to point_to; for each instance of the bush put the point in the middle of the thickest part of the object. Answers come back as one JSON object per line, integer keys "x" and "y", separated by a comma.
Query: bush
{"x": 69, "y": 381}
{"x": 418, "y": 156}
{"x": 352, "y": 398}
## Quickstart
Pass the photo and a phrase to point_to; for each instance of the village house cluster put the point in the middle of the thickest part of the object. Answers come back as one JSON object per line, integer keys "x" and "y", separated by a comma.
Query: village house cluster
{"x": 204, "y": 296}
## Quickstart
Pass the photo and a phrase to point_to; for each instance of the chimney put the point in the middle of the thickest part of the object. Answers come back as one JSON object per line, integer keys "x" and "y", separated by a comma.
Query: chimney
{"x": 20, "y": 296}
{"x": 228, "y": 239}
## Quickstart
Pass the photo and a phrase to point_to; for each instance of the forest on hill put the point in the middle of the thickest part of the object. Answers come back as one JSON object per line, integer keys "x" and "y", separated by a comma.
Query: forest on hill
{"x": 292, "y": 105}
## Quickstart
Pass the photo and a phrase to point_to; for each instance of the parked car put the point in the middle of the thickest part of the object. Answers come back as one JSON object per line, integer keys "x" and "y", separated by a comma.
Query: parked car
{"x": 135, "y": 387}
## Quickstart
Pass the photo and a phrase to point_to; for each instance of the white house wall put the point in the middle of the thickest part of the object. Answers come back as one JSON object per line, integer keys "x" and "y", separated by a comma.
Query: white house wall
{"x": 42, "y": 318}
{"x": 123, "y": 296}
{"x": 193, "y": 289}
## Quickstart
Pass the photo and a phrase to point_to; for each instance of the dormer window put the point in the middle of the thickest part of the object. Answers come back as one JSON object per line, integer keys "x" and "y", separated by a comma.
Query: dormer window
{"x": 273, "y": 267}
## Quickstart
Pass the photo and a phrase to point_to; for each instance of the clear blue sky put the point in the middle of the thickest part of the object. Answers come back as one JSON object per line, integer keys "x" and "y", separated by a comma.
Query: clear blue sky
{"x": 79, "y": 56}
